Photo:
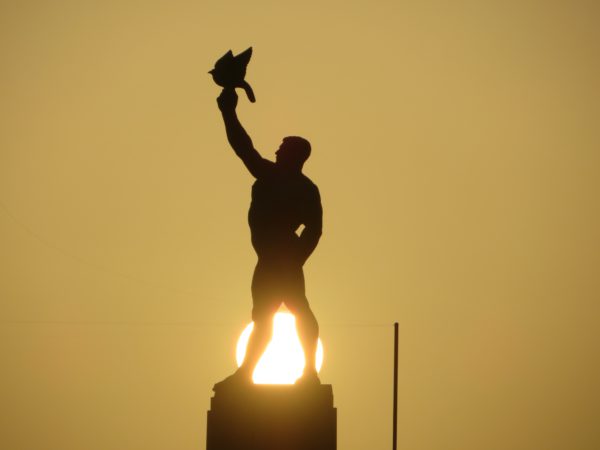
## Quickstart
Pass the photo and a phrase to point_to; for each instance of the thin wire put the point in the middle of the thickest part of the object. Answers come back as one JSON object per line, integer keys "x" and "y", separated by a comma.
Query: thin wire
{"x": 170, "y": 323}
{"x": 357, "y": 325}
{"x": 116, "y": 322}
{"x": 137, "y": 280}
{"x": 93, "y": 265}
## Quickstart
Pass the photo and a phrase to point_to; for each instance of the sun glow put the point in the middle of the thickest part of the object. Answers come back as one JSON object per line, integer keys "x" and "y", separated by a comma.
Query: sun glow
{"x": 283, "y": 360}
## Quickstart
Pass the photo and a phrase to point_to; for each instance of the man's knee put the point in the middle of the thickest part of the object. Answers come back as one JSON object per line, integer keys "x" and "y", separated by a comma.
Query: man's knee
{"x": 304, "y": 315}
{"x": 259, "y": 317}
{"x": 263, "y": 314}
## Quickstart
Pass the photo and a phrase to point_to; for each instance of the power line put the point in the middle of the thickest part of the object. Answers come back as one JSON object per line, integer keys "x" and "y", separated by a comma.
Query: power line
{"x": 174, "y": 323}
{"x": 93, "y": 265}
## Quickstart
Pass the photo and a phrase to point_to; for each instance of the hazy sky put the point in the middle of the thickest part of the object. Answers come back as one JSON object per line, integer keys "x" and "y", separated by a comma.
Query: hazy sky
{"x": 457, "y": 149}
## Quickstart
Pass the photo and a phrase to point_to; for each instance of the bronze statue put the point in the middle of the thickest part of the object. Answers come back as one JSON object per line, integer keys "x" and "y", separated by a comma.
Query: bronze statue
{"x": 283, "y": 200}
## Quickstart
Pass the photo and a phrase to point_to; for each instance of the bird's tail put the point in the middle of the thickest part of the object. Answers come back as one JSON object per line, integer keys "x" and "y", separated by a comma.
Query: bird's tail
{"x": 249, "y": 92}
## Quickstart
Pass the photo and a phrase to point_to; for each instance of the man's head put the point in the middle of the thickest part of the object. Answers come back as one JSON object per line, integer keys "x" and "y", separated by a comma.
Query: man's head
{"x": 292, "y": 152}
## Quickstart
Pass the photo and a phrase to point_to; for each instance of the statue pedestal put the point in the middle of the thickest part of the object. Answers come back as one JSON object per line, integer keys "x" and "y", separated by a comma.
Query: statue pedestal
{"x": 272, "y": 417}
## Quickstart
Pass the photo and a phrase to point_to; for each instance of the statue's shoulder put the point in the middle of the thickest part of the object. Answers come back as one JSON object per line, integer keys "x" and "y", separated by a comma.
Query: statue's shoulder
{"x": 308, "y": 182}
{"x": 310, "y": 187}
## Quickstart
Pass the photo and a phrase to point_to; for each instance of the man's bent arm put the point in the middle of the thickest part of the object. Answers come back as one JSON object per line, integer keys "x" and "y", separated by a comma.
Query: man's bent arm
{"x": 238, "y": 138}
{"x": 313, "y": 228}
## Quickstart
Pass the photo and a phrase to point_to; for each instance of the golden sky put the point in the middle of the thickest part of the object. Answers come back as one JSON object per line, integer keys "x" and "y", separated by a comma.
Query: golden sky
{"x": 456, "y": 147}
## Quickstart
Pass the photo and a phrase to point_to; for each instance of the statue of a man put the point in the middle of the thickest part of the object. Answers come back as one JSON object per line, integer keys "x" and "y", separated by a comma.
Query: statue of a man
{"x": 283, "y": 199}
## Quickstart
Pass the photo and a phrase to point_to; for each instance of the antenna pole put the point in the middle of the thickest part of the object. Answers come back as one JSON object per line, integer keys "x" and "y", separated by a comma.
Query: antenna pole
{"x": 395, "y": 419}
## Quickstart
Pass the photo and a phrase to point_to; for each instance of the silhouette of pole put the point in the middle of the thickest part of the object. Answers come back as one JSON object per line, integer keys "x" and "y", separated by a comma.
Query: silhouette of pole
{"x": 395, "y": 419}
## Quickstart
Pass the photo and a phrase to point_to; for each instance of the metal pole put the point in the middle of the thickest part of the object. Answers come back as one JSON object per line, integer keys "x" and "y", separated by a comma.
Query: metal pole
{"x": 395, "y": 423}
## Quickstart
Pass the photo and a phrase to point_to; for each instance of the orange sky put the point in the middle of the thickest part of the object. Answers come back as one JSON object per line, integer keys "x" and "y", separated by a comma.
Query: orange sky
{"x": 456, "y": 149}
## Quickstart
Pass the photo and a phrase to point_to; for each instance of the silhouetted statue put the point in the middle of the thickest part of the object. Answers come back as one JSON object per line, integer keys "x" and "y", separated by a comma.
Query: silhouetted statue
{"x": 229, "y": 71}
{"x": 283, "y": 199}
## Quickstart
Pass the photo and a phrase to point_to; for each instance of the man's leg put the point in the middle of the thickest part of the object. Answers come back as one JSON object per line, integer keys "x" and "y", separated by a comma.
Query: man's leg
{"x": 262, "y": 316}
{"x": 306, "y": 322}
{"x": 264, "y": 306}
{"x": 308, "y": 332}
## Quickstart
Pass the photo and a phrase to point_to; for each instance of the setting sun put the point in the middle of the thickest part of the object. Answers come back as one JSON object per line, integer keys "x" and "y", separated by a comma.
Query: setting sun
{"x": 283, "y": 360}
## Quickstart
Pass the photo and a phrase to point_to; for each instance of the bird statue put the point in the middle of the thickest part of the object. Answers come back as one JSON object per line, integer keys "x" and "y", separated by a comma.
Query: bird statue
{"x": 229, "y": 71}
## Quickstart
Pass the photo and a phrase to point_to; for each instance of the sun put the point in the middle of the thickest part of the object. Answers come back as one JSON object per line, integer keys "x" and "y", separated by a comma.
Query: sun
{"x": 283, "y": 360}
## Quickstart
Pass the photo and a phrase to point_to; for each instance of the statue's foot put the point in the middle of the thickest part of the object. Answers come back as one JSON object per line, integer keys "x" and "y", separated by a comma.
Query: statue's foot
{"x": 308, "y": 379}
{"x": 238, "y": 379}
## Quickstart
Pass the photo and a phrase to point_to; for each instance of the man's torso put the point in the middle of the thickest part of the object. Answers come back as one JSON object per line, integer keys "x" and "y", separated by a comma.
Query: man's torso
{"x": 280, "y": 204}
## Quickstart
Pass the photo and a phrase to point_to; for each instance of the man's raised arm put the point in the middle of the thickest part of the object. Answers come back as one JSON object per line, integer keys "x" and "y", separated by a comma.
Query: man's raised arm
{"x": 237, "y": 136}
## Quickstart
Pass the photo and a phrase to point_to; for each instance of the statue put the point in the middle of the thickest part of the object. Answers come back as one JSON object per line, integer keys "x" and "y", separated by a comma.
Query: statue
{"x": 283, "y": 200}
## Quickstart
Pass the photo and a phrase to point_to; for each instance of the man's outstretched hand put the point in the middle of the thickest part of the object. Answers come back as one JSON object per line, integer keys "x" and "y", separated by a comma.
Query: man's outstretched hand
{"x": 228, "y": 99}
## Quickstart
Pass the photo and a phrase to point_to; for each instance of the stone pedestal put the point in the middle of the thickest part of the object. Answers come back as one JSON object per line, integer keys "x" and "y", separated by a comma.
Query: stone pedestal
{"x": 272, "y": 417}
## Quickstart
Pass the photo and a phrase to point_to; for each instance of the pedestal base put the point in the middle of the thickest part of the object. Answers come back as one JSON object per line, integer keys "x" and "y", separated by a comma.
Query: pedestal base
{"x": 272, "y": 417}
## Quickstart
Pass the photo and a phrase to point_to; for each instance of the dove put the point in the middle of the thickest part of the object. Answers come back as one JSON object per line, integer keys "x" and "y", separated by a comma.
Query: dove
{"x": 230, "y": 70}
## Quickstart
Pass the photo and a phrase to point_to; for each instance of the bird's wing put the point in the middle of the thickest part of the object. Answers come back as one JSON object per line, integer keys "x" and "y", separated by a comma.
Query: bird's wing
{"x": 225, "y": 58}
{"x": 244, "y": 57}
